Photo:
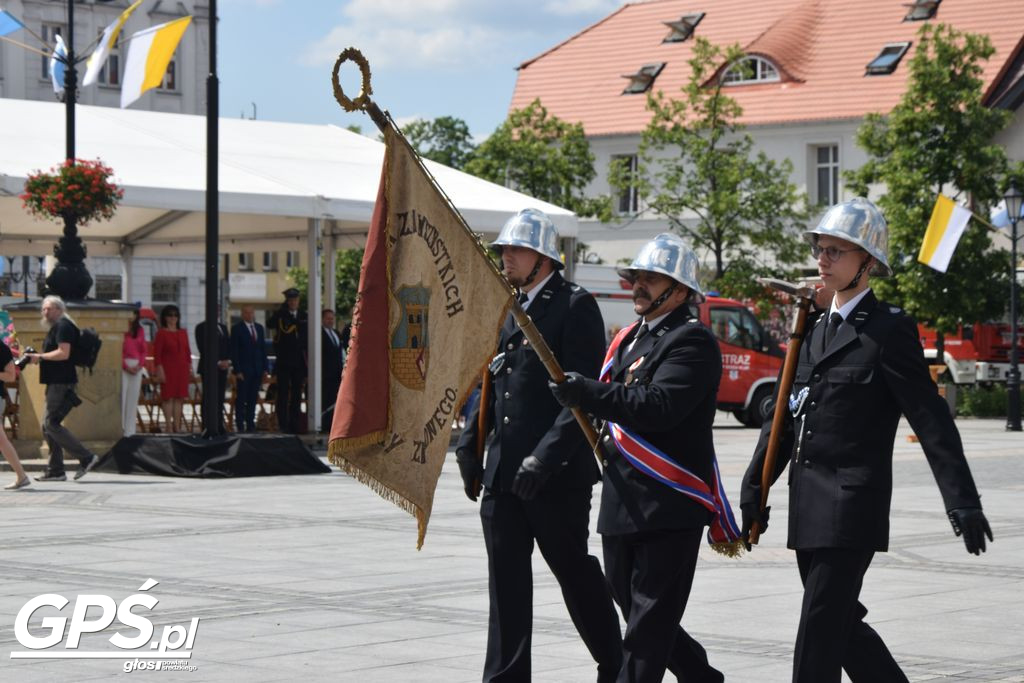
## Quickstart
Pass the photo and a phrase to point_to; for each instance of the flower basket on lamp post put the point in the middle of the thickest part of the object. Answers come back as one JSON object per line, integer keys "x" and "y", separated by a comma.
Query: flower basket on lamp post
{"x": 77, "y": 192}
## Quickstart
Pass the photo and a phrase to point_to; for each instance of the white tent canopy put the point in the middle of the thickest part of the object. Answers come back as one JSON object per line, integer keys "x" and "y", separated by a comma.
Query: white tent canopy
{"x": 274, "y": 178}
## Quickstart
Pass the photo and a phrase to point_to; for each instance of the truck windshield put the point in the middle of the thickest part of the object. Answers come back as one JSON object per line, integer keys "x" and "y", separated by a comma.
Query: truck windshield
{"x": 737, "y": 326}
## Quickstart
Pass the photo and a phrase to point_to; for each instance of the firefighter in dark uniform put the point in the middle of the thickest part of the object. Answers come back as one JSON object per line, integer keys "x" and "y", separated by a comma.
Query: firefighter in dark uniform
{"x": 860, "y": 367}
{"x": 288, "y": 325}
{"x": 657, "y": 394}
{"x": 539, "y": 470}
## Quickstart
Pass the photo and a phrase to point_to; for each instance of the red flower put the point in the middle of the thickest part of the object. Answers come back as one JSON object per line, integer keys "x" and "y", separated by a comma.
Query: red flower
{"x": 81, "y": 188}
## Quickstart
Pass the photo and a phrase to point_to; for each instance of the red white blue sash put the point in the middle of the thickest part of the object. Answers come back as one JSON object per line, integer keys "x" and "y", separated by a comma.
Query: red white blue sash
{"x": 646, "y": 458}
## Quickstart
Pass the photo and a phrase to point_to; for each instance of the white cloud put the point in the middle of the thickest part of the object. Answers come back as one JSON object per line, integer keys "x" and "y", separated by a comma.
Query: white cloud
{"x": 573, "y": 7}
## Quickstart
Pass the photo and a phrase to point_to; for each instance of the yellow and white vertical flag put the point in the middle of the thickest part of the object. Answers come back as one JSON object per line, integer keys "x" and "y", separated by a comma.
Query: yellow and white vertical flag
{"x": 944, "y": 230}
{"x": 149, "y": 53}
{"x": 107, "y": 42}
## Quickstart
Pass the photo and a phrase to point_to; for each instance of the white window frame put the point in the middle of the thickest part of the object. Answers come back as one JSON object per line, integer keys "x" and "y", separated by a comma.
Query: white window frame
{"x": 628, "y": 195}
{"x": 832, "y": 167}
{"x": 245, "y": 261}
{"x": 762, "y": 71}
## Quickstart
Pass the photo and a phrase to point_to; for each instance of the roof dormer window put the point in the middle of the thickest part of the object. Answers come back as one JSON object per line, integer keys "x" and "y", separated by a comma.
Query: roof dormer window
{"x": 750, "y": 70}
{"x": 643, "y": 79}
{"x": 887, "y": 60}
{"x": 921, "y": 10}
{"x": 682, "y": 29}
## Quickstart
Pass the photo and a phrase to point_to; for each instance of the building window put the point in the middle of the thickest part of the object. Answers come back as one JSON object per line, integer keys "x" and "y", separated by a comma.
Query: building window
{"x": 887, "y": 60}
{"x": 921, "y": 10}
{"x": 626, "y": 168}
{"x": 682, "y": 29}
{"x": 826, "y": 174}
{"x": 643, "y": 79}
{"x": 269, "y": 261}
{"x": 49, "y": 35}
{"x": 170, "y": 78}
{"x": 292, "y": 259}
{"x": 751, "y": 70}
{"x": 108, "y": 287}
{"x": 166, "y": 290}
{"x": 245, "y": 261}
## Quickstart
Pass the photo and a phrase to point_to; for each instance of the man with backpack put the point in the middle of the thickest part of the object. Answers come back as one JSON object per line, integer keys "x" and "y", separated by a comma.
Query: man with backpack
{"x": 57, "y": 372}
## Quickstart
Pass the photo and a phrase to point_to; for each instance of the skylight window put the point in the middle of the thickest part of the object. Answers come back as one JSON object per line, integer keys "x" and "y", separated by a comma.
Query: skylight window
{"x": 921, "y": 10}
{"x": 682, "y": 29}
{"x": 643, "y": 79}
{"x": 887, "y": 60}
{"x": 751, "y": 70}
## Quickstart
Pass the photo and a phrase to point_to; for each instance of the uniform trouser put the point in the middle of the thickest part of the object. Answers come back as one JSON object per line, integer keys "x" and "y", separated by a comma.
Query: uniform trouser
{"x": 832, "y": 634}
{"x": 289, "y": 398}
{"x": 558, "y": 521}
{"x": 247, "y": 394}
{"x": 60, "y": 399}
{"x": 130, "y": 387}
{"x": 651, "y": 574}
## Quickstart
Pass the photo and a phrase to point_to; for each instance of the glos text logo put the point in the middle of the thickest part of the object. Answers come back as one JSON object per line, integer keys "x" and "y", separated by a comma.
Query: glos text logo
{"x": 175, "y": 640}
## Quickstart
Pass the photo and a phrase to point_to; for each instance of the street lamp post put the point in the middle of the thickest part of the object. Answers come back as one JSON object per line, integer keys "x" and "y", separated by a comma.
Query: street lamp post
{"x": 1014, "y": 199}
{"x": 26, "y": 276}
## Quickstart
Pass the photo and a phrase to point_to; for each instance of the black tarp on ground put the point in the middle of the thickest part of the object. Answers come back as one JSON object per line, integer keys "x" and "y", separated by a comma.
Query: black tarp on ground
{"x": 247, "y": 455}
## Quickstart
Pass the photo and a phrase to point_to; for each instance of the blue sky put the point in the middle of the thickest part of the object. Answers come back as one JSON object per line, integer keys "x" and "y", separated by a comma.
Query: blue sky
{"x": 429, "y": 58}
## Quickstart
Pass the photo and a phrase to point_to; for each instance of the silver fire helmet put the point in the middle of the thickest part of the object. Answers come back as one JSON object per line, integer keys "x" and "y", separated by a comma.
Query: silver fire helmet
{"x": 530, "y": 228}
{"x": 667, "y": 254}
{"x": 859, "y": 222}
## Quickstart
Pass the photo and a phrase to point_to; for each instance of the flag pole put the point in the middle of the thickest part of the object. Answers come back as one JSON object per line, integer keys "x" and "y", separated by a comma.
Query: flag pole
{"x": 383, "y": 121}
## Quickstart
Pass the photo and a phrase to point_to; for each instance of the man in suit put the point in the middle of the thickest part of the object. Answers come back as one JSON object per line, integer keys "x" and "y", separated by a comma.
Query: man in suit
{"x": 332, "y": 360}
{"x": 248, "y": 362}
{"x": 223, "y": 360}
{"x": 657, "y": 395}
{"x": 539, "y": 471}
{"x": 288, "y": 326}
{"x": 860, "y": 367}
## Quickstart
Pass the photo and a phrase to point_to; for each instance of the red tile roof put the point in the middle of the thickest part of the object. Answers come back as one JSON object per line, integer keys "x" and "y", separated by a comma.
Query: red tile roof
{"x": 820, "y": 46}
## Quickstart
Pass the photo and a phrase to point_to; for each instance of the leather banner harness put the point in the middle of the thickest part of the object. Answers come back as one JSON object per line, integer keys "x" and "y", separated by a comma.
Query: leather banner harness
{"x": 723, "y": 534}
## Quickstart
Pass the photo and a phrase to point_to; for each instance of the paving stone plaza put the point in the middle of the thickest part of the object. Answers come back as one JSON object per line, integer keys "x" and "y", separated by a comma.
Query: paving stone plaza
{"x": 315, "y": 578}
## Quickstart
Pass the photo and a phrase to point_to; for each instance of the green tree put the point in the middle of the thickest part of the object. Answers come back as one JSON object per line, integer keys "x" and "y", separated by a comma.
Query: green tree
{"x": 445, "y": 140}
{"x": 543, "y": 156}
{"x": 346, "y": 271}
{"x": 696, "y": 168}
{"x": 939, "y": 139}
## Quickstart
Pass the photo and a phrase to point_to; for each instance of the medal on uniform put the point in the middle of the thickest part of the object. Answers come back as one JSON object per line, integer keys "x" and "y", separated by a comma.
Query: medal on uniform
{"x": 634, "y": 366}
{"x": 796, "y": 401}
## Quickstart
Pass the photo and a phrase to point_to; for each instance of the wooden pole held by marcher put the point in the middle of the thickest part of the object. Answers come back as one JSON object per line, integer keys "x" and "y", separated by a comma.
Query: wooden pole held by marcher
{"x": 804, "y": 296}
{"x": 383, "y": 122}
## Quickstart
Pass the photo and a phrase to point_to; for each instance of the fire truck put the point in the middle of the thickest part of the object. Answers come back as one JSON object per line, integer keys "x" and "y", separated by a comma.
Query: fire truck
{"x": 751, "y": 356}
{"x": 975, "y": 353}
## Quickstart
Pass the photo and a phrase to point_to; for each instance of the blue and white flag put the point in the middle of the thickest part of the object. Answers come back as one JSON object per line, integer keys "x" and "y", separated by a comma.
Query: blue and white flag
{"x": 1000, "y": 217}
{"x": 8, "y": 23}
{"x": 57, "y": 65}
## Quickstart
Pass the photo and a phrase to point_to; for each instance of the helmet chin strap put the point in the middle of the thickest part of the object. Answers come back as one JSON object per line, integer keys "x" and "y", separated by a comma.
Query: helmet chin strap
{"x": 660, "y": 300}
{"x": 536, "y": 269}
{"x": 860, "y": 272}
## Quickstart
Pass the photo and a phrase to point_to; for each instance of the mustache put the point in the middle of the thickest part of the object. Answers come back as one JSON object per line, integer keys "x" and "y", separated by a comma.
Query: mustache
{"x": 642, "y": 293}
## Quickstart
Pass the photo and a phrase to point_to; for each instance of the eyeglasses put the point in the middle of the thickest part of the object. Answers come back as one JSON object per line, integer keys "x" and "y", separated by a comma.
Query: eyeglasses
{"x": 833, "y": 254}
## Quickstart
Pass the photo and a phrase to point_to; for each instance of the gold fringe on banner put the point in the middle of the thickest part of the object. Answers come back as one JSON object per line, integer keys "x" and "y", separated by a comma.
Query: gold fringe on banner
{"x": 733, "y": 549}
{"x": 385, "y": 492}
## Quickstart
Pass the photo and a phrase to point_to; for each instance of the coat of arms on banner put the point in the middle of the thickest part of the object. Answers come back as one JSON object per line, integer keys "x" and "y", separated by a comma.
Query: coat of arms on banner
{"x": 410, "y": 341}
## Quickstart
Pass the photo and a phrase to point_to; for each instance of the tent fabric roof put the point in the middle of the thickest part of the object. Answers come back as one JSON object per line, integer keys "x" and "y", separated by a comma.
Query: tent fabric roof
{"x": 821, "y": 46}
{"x": 273, "y": 178}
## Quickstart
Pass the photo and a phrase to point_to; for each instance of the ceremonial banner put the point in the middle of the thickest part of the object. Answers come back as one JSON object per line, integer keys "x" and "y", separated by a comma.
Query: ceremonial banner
{"x": 426, "y": 319}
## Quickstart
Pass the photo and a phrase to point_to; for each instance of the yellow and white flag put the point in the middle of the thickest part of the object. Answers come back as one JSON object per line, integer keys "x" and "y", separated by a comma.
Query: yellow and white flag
{"x": 149, "y": 53}
{"x": 944, "y": 230}
{"x": 107, "y": 42}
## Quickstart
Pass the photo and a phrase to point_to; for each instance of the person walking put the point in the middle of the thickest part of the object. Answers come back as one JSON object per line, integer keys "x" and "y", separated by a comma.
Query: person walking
{"x": 57, "y": 372}
{"x": 539, "y": 471}
{"x": 133, "y": 361}
{"x": 657, "y": 395}
{"x": 860, "y": 367}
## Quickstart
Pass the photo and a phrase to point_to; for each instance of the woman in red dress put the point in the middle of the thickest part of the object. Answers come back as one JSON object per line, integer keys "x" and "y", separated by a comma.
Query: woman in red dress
{"x": 173, "y": 360}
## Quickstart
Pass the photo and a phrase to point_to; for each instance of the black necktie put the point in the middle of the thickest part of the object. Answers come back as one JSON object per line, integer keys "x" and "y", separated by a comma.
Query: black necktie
{"x": 834, "y": 321}
{"x": 641, "y": 332}
{"x": 523, "y": 298}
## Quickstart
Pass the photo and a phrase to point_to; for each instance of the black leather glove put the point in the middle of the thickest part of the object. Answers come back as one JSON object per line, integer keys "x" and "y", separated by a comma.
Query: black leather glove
{"x": 472, "y": 473}
{"x": 751, "y": 513}
{"x": 570, "y": 391}
{"x": 971, "y": 523}
{"x": 530, "y": 478}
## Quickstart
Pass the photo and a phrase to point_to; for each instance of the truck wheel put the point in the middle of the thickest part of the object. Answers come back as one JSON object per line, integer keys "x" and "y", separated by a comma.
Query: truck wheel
{"x": 762, "y": 406}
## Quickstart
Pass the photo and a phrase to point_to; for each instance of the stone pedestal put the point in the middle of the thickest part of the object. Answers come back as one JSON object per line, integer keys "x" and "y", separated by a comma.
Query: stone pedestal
{"x": 97, "y": 422}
